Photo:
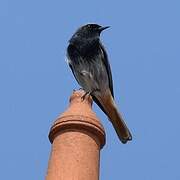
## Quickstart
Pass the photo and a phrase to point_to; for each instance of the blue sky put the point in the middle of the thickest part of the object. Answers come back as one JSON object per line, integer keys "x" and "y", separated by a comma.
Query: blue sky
{"x": 143, "y": 44}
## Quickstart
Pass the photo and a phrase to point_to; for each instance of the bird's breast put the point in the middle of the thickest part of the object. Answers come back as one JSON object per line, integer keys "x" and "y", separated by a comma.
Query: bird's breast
{"x": 86, "y": 47}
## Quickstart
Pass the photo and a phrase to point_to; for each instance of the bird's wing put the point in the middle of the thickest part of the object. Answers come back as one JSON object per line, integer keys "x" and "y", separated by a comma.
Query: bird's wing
{"x": 108, "y": 68}
{"x": 72, "y": 53}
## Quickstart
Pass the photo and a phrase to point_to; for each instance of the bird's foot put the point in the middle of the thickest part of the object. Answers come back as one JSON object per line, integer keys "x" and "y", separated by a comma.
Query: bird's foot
{"x": 84, "y": 95}
{"x": 78, "y": 89}
{"x": 88, "y": 94}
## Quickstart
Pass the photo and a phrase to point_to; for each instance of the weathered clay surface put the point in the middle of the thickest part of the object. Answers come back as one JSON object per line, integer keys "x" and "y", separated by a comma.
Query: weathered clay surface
{"x": 77, "y": 137}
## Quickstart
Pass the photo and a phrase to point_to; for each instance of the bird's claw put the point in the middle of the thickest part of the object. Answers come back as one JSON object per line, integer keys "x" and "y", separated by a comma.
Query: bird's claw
{"x": 84, "y": 95}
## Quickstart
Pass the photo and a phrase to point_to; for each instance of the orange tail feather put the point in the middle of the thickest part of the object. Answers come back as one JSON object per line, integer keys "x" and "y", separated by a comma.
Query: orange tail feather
{"x": 109, "y": 106}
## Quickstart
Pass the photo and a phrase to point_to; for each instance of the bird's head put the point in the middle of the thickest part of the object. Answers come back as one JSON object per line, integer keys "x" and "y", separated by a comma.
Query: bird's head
{"x": 90, "y": 31}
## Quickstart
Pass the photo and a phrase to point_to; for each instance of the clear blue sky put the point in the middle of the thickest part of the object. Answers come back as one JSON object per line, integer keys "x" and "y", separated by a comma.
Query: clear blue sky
{"x": 143, "y": 44}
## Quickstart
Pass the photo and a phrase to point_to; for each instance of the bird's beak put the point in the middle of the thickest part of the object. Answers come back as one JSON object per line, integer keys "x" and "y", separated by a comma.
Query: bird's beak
{"x": 103, "y": 28}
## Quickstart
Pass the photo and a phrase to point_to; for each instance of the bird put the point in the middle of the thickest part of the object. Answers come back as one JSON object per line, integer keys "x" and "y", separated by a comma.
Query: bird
{"x": 90, "y": 66}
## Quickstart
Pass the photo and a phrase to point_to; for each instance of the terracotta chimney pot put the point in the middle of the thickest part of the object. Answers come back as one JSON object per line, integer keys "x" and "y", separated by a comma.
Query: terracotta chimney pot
{"x": 77, "y": 137}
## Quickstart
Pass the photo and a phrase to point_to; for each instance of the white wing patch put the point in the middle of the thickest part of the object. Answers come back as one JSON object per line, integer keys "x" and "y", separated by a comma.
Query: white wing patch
{"x": 68, "y": 61}
{"x": 86, "y": 73}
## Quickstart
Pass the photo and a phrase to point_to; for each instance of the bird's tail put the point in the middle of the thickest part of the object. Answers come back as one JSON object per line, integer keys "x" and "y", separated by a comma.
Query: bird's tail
{"x": 109, "y": 107}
